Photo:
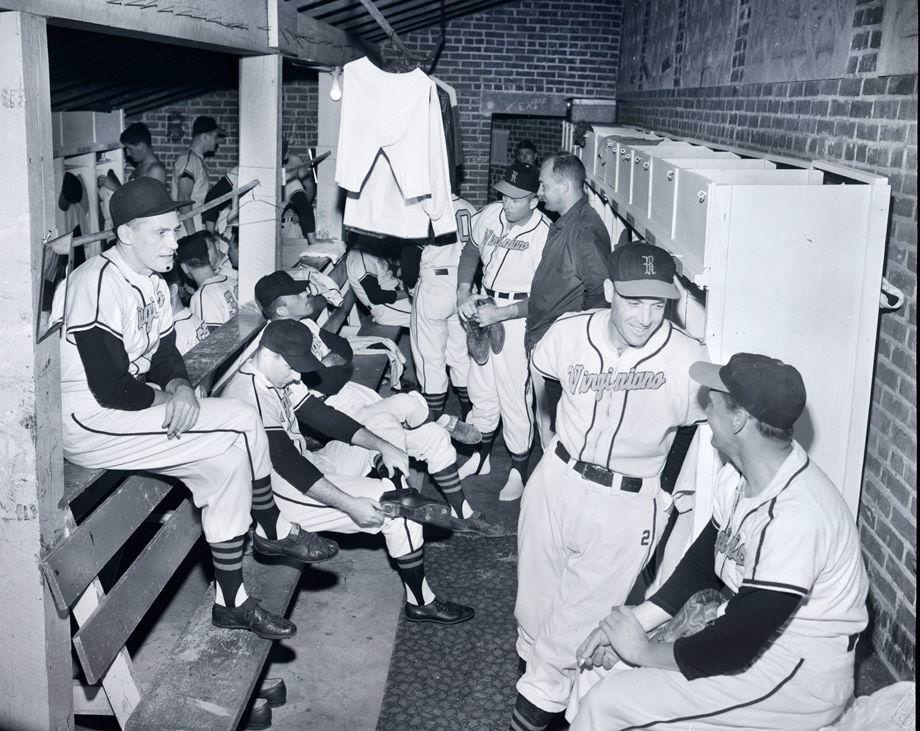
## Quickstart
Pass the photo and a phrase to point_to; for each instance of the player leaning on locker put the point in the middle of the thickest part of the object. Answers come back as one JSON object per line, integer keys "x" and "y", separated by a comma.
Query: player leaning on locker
{"x": 784, "y": 549}
{"x": 594, "y": 510}
{"x": 128, "y": 404}
{"x": 508, "y": 239}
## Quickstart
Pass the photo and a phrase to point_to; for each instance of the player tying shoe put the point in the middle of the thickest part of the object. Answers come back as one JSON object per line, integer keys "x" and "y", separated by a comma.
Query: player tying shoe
{"x": 342, "y": 502}
{"x": 593, "y": 510}
{"x": 784, "y": 545}
{"x": 401, "y": 419}
{"x": 508, "y": 238}
{"x": 128, "y": 404}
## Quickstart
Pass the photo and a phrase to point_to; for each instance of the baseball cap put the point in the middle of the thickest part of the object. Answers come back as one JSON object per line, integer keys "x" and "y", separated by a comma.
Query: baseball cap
{"x": 193, "y": 246}
{"x": 206, "y": 124}
{"x": 293, "y": 341}
{"x": 141, "y": 198}
{"x": 519, "y": 180}
{"x": 526, "y": 144}
{"x": 278, "y": 284}
{"x": 768, "y": 389}
{"x": 642, "y": 270}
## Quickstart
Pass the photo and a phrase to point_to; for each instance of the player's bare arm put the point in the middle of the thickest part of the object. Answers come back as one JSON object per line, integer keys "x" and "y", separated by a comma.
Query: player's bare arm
{"x": 366, "y": 513}
{"x": 184, "y": 188}
{"x": 630, "y": 641}
{"x": 182, "y": 407}
{"x": 488, "y": 313}
{"x": 393, "y": 457}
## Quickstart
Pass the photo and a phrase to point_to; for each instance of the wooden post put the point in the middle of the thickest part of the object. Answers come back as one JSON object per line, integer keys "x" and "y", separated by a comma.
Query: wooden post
{"x": 260, "y": 157}
{"x": 35, "y": 667}
{"x": 329, "y": 199}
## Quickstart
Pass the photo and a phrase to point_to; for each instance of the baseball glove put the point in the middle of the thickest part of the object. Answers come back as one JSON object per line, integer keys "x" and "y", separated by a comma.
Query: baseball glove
{"x": 477, "y": 341}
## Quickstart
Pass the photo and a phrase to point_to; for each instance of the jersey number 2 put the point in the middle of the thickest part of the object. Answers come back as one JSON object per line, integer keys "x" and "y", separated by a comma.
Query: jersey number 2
{"x": 646, "y": 538}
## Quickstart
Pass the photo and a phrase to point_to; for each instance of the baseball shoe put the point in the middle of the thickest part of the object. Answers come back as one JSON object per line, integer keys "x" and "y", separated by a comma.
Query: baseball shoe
{"x": 274, "y": 691}
{"x": 475, "y": 465}
{"x": 496, "y": 337}
{"x": 477, "y": 342}
{"x": 299, "y": 544}
{"x": 254, "y": 617}
{"x": 440, "y": 611}
{"x": 479, "y": 524}
{"x": 459, "y": 431}
{"x": 514, "y": 487}
{"x": 258, "y": 717}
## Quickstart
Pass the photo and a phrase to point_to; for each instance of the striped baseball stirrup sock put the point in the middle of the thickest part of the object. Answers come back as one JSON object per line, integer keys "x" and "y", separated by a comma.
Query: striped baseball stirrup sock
{"x": 436, "y": 402}
{"x": 465, "y": 404}
{"x": 448, "y": 482}
{"x": 227, "y": 557}
{"x": 485, "y": 446}
{"x": 411, "y": 570}
{"x": 527, "y": 717}
{"x": 264, "y": 509}
{"x": 519, "y": 462}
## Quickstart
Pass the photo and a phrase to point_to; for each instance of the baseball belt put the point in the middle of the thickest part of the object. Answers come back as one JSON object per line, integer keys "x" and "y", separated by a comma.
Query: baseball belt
{"x": 441, "y": 272}
{"x": 595, "y": 473}
{"x": 505, "y": 295}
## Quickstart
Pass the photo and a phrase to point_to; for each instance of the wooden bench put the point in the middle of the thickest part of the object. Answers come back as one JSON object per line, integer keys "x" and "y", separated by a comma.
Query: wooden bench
{"x": 211, "y": 673}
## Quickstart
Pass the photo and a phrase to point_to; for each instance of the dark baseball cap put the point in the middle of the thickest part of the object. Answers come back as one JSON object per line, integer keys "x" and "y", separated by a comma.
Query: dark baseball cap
{"x": 293, "y": 341}
{"x": 206, "y": 124}
{"x": 526, "y": 145}
{"x": 193, "y": 246}
{"x": 768, "y": 389}
{"x": 642, "y": 270}
{"x": 278, "y": 284}
{"x": 519, "y": 180}
{"x": 141, "y": 198}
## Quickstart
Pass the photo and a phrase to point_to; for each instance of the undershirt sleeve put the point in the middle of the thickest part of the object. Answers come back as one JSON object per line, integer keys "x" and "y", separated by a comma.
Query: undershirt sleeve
{"x": 322, "y": 418}
{"x": 221, "y": 187}
{"x": 106, "y": 364}
{"x": 734, "y": 640}
{"x": 375, "y": 294}
{"x": 696, "y": 571}
{"x": 289, "y": 463}
{"x": 469, "y": 262}
{"x": 167, "y": 363}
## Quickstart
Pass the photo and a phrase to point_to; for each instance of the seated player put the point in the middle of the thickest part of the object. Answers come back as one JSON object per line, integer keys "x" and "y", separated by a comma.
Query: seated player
{"x": 190, "y": 330}
{"x": 339, "y": 502}
{"x": 377, "y": 288}
{"x": 128, "y": 404}
{"x": 215, "y": 300}
{"x": 784, "y": 547}
{"x": 402, "y": 419}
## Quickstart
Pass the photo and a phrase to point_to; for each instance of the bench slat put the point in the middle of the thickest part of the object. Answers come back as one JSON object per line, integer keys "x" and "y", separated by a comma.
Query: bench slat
{"x": 211, "y": 673}
{"x": 221, "y": 346}
{"x": 79, "y": 558}
{"x": 99, "y": 640}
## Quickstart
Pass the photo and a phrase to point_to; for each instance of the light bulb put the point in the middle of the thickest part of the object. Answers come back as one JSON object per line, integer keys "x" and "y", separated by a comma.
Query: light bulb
{"x": 335, "y": 91}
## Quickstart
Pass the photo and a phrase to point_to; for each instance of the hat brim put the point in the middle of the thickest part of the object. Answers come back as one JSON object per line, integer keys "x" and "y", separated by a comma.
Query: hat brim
{"x": 647, "y": 288}
{"x": 707, "y": 374}
{"x": 302, "y": 362}
{"x": 512, "y": 191}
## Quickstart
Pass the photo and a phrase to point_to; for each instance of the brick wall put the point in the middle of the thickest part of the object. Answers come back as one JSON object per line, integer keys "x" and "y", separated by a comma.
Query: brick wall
{"x": 868, "y": 121}
{"x": 537, "y": 46}
{"x": 544, "y": 132}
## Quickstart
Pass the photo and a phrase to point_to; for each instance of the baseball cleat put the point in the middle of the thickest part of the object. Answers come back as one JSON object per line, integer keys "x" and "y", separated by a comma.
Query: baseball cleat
{"x": 479, "y": 524}
{"x": 496, "y": 337}
{"x": 459, "y": 431}
{"x": 477, "y": 342}
{"x": 258, "y": 717}
{"x": 440, "y": 611}
{"x": 299, "y": 544}
{"x": 274, "y": 691}
{"x": 513, "y": 489}
{"x": 252, "y": 616}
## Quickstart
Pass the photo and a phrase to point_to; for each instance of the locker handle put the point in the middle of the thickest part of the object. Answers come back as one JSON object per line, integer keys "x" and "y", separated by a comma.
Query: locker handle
{"x": 645, "y": 166}
{"x": 701, "y": 196}
{"x": 637, "y": 160}
{"x": 670, "y": 175}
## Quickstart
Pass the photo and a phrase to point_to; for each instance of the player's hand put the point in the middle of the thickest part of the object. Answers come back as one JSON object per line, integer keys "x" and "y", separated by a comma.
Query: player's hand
{"x": 366, "y": 513}
{"x": 488, "y": 313}
{"x": 625, "y": 635}
{"x": 394, "y": 458}
{"x": 181, "y": 412}
{"x": 466, "y": 306}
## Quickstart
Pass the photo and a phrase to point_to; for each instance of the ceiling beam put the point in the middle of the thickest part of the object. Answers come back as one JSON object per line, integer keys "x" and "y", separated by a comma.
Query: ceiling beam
{"x": 430, "y": 19}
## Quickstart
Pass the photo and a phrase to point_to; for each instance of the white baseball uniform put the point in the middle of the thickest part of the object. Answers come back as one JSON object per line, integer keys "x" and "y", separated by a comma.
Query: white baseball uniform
{"x": 436, "y": 335}
{"x": 593, "y": 509}
{"x": 217, "y": 459}
{"x": 215, "y": 301}
{"x": 510, "y": 254}
{"x": 190, "y": 330}
{"x": 277, "y": 408}
{"x": 375, "y": 286}
{"x": 191, "y": 165}
{"x": 797, "y": 537}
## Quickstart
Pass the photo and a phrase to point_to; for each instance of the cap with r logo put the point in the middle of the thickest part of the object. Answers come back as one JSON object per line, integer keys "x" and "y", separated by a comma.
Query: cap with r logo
{"x": 642, "y": 270}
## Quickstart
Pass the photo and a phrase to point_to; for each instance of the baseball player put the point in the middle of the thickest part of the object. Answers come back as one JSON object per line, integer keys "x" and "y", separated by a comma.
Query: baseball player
{"x": 190, "y": 178}
{"x": 190, "y": 330}
{"x": 436, "y": 335}
{"x": 342, "y": 502}
{"x": 215, "y": 301}
{"x": 508, "y": 238}
{"x": 128, "y": 405}
{"x": 593, "y": 509}
{"x": 784, "y": 545}
{"x": 401, "y": 419}
{"x": 377, "y": 289}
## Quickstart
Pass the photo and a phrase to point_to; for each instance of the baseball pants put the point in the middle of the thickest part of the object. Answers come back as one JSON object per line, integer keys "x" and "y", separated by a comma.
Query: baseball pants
{"x": 797, "y": 684}
{"x": 396, "y": 313}
{"x": 501, "y": 388}
{"x": 400, "y": 419}
{"x": 581, "y": 546}
{"x": 217, "y": 459}
{"x": 437, "y": 337}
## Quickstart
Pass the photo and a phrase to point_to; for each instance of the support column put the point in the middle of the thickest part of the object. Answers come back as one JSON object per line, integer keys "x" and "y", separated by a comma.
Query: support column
{"x": 35, "y": 666}
{"x": 330, "y": 201}
{"x": 260, "y": 157}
